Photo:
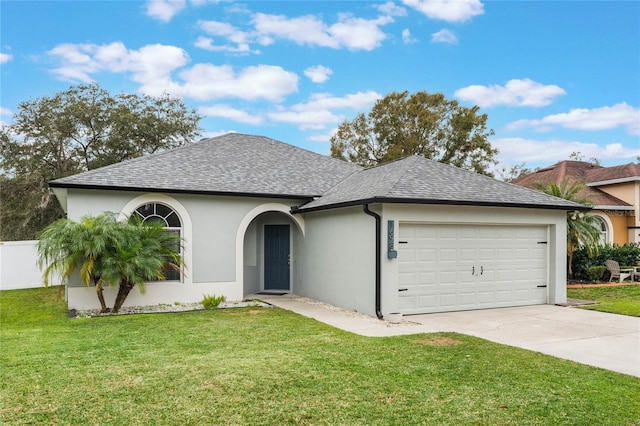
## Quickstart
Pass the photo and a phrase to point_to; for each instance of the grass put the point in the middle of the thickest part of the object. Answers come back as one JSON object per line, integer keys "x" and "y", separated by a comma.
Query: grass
{"x": 263, "y": 366}
{"x": 623, "y": 300}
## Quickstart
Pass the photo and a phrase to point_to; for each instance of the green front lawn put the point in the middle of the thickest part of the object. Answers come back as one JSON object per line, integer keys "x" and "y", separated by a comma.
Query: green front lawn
{"x": 262, "y": 366}
{"x": 624, "y": 300}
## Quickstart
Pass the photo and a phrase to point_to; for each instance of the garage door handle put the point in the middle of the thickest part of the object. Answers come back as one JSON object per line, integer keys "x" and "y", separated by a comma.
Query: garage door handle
{"x": 403, "y": 289}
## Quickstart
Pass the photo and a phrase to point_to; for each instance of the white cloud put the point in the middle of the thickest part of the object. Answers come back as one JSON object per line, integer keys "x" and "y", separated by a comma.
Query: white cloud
{"x": 323, "y": 137}
{"x": 224, "y": 29}
{"x": 391, "y": 9}
{"x": 151, "y": 65}
{"x": 207, "y": 81}
{"x": 516, "y": 92}
{"x": 447, "y": 10}
{"x": 444, "y": 36}
{"x": 406, "y": 36}
{"x": 5, "y": 57}
{"x": 5, "y": 111}
{"x": 349, "y": 32}
{"x": 152, "y": 62}
{"x": 518, "y": 150}
{"x": 164, "y": 10}
{"x": 208, "y": 44}
{"x": 318, "y": 113}
{"x": 619, "y": 115}
{"x": 318, "y": 73}
{"x": 226, "y": 111}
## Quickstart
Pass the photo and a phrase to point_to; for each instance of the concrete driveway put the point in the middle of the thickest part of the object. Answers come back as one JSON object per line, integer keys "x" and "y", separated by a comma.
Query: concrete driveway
{"x": 594, "y": 338}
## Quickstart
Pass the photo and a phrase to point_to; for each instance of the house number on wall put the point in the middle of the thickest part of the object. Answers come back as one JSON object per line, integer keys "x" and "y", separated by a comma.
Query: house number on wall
{"x": 391, "y": 253}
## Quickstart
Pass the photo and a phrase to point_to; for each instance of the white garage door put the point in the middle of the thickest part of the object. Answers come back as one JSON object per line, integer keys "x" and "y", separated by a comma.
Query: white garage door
{"x": 461, "y": 267}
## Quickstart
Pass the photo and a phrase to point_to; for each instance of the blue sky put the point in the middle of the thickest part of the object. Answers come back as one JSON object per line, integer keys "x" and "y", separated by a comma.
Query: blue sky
{"x": 553, "y": 77}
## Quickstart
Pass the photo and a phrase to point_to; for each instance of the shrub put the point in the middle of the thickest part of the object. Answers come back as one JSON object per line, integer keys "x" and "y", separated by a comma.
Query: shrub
{"x": 595, "y": 273}
{"x": 625, "y": 255}
{"x": 211, "y": 302}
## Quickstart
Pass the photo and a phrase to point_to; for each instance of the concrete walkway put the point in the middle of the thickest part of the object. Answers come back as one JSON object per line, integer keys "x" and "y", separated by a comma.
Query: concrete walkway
{"x": 594, "y": 338}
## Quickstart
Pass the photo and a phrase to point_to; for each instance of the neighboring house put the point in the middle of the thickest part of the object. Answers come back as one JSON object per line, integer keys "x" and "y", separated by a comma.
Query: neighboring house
{"x": 614, "y": 192}
{"x": 258, "y": 215}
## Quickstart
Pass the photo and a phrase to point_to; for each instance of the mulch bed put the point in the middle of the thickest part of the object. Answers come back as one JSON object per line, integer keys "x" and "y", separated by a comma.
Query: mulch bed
{"x": 588, "y": 284}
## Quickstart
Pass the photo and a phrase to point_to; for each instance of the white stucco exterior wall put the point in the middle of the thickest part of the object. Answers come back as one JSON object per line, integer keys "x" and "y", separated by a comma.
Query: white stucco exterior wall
{"x": 338, "y": 259}
{"x": 214, "y": 230}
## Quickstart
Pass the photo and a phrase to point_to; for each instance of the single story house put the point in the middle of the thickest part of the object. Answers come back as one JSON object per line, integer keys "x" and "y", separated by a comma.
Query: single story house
{"x": 257, "y": 215}
{"x": 614, "y": 192}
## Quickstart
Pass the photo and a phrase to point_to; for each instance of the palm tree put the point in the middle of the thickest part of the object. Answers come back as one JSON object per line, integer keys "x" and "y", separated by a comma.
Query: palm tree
{"x": 109, "y": 252}
{"x": 65, "y": 246}
{"x": 581, "y": 228}
{"x": 145, "y": 252}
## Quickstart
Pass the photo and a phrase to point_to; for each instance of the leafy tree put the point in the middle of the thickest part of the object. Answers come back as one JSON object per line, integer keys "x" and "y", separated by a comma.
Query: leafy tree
{"x": 66, "y": 246}
{"x": 424, "y": 124}
{"x": 73, "y": 131}
{"x": 107, "y": 252}
{"x": 514, "y": 172}
{"x": 581, "y": 228}
{"x": 576, "y": 156}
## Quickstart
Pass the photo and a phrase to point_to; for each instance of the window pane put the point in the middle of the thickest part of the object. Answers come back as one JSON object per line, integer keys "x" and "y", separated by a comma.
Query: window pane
{"x": 146, "y": 210}
{"x": 162, "y": 210}
{"x": 173, "y": 221}
{"x": 173, "y": 274}
{"x": 154, "y": 212}
{"x": 156, "y": 219}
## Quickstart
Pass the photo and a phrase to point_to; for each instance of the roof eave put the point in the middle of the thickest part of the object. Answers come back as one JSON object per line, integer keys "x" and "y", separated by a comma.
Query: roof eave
{"x": 614, "y": 181}
{"x": 304, "y": 197}
{"x": 624, "y": 208}
{"x": 373, "y": 200}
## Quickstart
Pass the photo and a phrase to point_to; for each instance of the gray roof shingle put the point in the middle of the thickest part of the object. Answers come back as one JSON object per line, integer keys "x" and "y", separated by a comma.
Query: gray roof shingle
{"x": 238, "y": 164}
{"x": 419, "y": 180}
{"x": 232, "y": 163}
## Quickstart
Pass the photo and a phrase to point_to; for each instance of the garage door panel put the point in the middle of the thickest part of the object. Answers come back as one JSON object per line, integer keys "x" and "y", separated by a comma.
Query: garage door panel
{"x": 427, "y": 255}
{"x": 467, "y": 299}
{"x": 448, "y": 254}
{"x": 447, "y": 300}
{"x": 486, "y": 297}
{"x": 470, "y": 267}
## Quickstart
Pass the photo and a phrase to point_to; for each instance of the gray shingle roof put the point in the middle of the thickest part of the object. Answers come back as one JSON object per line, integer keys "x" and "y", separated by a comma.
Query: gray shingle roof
{"x": 238, "y": 164}
{"x": 232, "y": 163}
{"x": 419, "y": 180}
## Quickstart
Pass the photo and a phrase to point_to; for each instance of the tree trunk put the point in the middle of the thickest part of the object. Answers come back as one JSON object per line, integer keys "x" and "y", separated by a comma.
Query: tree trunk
{"x": 103, "y": 305}
{"x": 123, "y": 292}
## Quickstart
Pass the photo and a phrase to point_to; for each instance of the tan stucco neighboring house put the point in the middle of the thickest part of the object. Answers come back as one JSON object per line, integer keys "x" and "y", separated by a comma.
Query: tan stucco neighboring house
{"x": 614, "y": 191}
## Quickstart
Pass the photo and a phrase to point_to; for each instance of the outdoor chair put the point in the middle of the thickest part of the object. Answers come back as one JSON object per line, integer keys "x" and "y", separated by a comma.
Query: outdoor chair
{"x": 616, "y": 272}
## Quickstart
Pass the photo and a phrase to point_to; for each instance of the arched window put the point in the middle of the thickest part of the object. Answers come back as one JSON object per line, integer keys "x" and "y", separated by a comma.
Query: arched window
{"x": 601, "y": 226}
{"x": 167, "y": 217}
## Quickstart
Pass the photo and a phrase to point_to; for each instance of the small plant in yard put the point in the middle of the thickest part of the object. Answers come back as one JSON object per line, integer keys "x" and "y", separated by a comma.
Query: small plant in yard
{"x": 212, "y": 302}
{"x": 595, "y": 273}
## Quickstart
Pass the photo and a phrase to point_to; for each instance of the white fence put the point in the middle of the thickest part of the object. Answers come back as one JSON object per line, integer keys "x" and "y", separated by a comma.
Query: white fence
{"x": 19, "y": 267}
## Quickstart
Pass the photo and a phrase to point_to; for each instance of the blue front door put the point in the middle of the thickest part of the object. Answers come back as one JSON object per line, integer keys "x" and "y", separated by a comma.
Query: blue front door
{"x": 276, "y": 257}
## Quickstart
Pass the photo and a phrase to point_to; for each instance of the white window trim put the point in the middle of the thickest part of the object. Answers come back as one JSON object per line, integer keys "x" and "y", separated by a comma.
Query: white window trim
{"x": 185, "y": 220}
{"x": 607, "y": 223}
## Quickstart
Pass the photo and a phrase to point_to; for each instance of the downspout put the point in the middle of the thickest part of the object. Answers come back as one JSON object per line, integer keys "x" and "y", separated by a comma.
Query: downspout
{"x": 378, "y": 219}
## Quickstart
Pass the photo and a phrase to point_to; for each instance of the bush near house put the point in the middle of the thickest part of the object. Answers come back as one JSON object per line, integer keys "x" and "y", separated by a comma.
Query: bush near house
{"x": 625, "y": 255}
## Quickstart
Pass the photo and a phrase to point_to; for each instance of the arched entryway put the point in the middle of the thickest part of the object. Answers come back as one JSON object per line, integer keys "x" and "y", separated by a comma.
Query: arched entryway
{"x": 269, "y": 240}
